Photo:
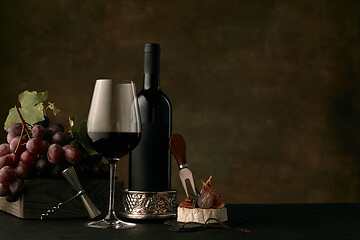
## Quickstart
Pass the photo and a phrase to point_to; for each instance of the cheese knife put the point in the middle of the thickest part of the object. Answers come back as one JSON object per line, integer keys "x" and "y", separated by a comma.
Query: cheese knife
{"x": 177, "y": 148}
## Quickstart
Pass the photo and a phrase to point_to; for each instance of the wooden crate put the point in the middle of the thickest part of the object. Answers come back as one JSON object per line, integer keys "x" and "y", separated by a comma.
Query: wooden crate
{"x": 43, "y": 194}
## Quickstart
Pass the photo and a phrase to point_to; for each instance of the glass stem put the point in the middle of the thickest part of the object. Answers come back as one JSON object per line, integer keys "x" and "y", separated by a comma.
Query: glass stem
{"x": 111, "y": 213}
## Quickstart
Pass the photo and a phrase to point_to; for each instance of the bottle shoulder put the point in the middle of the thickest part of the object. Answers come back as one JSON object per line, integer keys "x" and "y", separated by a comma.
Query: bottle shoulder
{"x": 153, "y": 97}
{"x": 165, "y": 98}
{"x": 154, "y": 108}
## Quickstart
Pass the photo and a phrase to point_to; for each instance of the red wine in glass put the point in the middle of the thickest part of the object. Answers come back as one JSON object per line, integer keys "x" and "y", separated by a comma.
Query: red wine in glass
{"x": 114, "y": 145}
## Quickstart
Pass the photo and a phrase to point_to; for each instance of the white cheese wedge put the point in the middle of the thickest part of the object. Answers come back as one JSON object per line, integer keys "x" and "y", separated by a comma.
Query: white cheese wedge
{"x": 201, "y": 215}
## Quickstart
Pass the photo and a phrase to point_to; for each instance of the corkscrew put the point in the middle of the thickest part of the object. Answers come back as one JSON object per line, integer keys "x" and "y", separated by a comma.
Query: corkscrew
{"x": 57, "y": 207}
{"x": 70, "y": 175}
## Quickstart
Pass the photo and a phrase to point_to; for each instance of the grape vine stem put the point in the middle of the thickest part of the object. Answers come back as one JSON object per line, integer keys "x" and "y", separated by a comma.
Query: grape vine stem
{"x": 21, "y": 135}
{"x": 23, "y": 122}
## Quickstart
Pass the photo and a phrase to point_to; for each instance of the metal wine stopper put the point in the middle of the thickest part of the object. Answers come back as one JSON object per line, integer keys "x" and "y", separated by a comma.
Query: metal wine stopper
{"x": 70, "y": 175}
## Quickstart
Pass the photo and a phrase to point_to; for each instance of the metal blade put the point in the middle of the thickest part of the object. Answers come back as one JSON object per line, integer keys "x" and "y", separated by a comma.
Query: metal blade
{"x": 184, "y": 174}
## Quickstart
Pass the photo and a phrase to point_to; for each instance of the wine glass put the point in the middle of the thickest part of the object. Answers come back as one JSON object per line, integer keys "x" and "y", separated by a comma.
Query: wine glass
{"x": 114, "y": 129}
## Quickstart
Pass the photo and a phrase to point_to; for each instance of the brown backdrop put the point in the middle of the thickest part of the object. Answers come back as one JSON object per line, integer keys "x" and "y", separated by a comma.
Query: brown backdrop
{"x": 266, "y": 93}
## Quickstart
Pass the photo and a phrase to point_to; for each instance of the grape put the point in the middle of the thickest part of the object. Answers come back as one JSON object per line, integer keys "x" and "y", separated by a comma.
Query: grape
{"x": 59, "y": 138}
{"x": 43, "y": 167}
{"x": 66, "y": 146}
{"x": 6, "y": 161}
{"x": 15, "y": 158}
{"x": 54, "y": 128}
{"x": 9, "y": 160}
{"x": 17, "y": 186}
{"x": 58, "y": 168}
{"x": 4, "y": 190}
{"x": 28, "y": 158}
{"x": 9, "y": 138}
{"x": 38, "y": 131}
{"x": 35, "y": 145}
{"x": 56, "y": 171}
{"x": 72, "y": 154}
{"x": 68, "y": 138}
{"x": 205, "y": 200}
{"x": 13, "y": 131}
{"x": 45, "y": 123}
{"x": 46, "y": 145}
{"x": 7, "y": 175}
{"x": 50, "y": 131}
{"x": 22, "y": 170}
{"x": 55, "y": 153}
{"x": 12, "y": 198}
{"x": 17, "y": 141}
{"x": 75, "y": 144}
{"x": 4, "y": 149}
{"x": 48, "y": 135}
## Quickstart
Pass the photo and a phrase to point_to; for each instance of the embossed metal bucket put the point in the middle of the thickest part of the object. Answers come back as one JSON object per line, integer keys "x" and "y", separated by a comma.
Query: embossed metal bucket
{"x": 148, "y": 205}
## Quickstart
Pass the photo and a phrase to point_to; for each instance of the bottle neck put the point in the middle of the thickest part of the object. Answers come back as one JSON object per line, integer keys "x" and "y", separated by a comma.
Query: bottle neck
{"x": 151, "y": 82}
{"x": 151, "y": 67}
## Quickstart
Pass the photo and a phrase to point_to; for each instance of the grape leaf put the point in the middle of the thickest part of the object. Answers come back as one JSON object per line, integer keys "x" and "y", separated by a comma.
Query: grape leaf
{"x": 30, "y": 99}
{"x": 79, "y": 133}
{"x": 32, "y": 109}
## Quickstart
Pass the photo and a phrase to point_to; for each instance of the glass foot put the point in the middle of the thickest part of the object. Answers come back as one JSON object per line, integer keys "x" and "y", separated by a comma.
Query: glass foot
{"x": 113, "y": 224}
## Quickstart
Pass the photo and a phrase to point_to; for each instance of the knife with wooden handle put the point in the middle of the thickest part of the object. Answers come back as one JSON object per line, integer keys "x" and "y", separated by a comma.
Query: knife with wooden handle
{"x": 177, "y": 148}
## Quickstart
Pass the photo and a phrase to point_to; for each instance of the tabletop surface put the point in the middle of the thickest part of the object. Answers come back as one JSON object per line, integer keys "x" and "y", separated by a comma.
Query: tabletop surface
{"x": 265, "y": 221}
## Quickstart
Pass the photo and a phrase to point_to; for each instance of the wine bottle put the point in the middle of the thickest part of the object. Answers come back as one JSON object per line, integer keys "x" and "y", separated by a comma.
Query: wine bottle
{"x": 149, "y": 162}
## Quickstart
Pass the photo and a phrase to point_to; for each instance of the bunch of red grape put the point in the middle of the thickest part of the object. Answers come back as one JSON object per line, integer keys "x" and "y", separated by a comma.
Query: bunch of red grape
{"x": 42, "y": 152}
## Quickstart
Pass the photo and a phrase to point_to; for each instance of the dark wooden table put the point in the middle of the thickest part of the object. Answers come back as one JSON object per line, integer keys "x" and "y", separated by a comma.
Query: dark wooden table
{"x": 268, "y": 221}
